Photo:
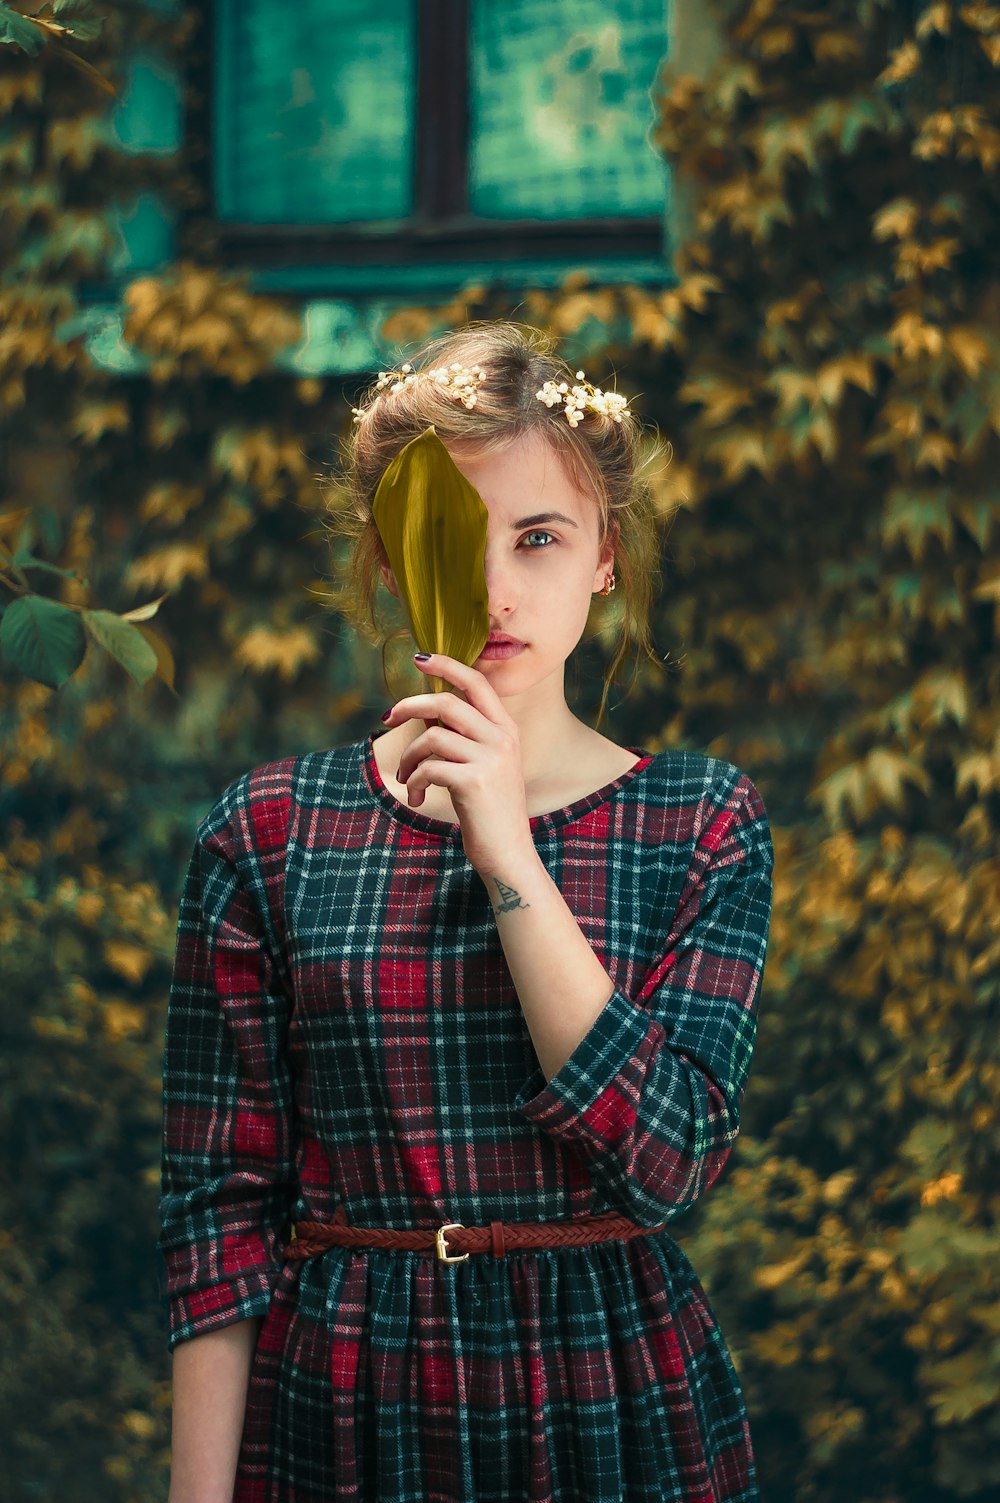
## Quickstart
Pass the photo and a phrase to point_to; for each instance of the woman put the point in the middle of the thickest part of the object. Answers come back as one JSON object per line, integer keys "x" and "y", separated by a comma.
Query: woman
{"x": 462, "y": 1016}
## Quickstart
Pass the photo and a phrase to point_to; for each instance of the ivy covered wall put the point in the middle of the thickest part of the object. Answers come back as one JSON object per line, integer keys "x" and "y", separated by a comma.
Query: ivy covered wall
{"x": 824, "y": 362}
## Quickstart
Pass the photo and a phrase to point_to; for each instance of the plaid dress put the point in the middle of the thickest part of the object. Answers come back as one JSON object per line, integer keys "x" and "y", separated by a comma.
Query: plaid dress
{"x": 342, "y": 1029}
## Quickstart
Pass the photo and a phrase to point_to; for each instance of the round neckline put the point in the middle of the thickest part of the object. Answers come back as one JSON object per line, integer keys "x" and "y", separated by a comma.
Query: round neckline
{"x": 446, "y": 829}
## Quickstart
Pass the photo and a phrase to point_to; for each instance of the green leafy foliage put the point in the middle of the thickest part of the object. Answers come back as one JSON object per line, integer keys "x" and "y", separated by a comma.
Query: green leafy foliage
{"x": 18, "y": 31}
{"x": 45, "y": 639}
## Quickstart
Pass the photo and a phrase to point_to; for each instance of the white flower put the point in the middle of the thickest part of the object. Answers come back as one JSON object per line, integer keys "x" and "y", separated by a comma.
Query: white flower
{"x": 581, "y": 399}
{"x": 462, "y": 385}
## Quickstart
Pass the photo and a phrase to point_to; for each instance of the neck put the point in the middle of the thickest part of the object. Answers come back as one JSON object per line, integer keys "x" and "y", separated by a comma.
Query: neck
{"x": 548, "y": 740}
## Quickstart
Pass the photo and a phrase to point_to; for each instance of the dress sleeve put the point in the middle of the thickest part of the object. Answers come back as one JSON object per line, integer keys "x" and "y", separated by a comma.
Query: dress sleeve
{"x": 651, "y": 1095}
{"x": 226, "y": 1150}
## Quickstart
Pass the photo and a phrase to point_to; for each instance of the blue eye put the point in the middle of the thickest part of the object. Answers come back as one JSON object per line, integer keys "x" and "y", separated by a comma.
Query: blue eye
{"x": 540, "y": 533}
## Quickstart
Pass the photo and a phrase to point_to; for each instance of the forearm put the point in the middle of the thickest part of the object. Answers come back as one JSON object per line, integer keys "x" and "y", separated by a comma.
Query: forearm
{"x": 210, "y": 1377}
{"x": 562, "y": 986}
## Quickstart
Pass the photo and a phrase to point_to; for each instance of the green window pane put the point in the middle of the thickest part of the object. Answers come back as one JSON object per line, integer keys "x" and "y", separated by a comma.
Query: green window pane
{"x": 314, "y": 110}
{"x": 561, "y": 108}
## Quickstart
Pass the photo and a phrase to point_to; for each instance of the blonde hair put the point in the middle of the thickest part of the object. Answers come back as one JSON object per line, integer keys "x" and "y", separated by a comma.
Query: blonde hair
{"x": 601, "y": 455}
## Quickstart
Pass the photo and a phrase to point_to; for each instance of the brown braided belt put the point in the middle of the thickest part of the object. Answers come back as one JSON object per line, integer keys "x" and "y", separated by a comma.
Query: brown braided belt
{"x": 312, "y": 1237}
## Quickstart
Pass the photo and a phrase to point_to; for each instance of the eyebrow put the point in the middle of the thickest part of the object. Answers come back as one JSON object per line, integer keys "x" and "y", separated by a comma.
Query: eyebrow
{"x": 543, "y": 516}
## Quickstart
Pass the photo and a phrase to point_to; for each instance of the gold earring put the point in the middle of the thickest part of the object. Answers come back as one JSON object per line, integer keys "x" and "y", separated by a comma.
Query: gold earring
{"x": 609, "y": 584}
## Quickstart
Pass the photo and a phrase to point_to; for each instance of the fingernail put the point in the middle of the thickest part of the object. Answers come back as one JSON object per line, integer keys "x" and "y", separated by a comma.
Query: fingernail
{"x": 387, "y": 713}
{"x": 422, "y": 657}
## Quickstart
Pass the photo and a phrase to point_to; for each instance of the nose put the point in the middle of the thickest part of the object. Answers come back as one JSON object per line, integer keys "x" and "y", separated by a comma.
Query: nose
{"x": 500, "y": 586}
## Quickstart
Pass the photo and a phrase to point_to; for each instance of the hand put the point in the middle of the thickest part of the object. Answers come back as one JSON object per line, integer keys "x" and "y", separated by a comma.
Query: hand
{"x": 471, "y": 747}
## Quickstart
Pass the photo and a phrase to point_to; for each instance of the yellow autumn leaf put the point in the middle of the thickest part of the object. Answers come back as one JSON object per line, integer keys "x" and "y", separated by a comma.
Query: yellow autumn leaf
{"x": 740, "y": 450}
{"x": 888, "y": 770}
{"x": 991, "y": 47}
{"x": 978, "y": 772}
{"x": 786, "y": 310}
{"x": 573, "y": 312}
{"x": 128, "y": 960}
{"x": 693, "y": 292}
{"x": 123, "y": 1020}
{"x": 837, "y": 46}
{"x": 144, "y": 612}
{"x": 773, "y": 1275}
{"x": 935, "y": 136}
{"x": 164, "y": 657}
{"x": 839, "y": 1185}
{"x": 792, "y": 387}
{"x": 59, "y": 1028}
{"x": 946, "y": 694}
{"x": 852, "y": 370}
{"x": 284, "y": 650}
{"x": 143, "y": 299}
{"x": 776, "y": 41}
{"x": 937, "y": 17}
{"x": 779, "y": 1345}
{"x": 936, "y": 451}
{"x": 988, "y": 587}
{"x": 169, "y": 502}
{"x": 895, "y": 219}
{"x": 168, "y": 567}
{"x": 92, "y": 420}
{"x": 139, "y": 1424}
{"x": 872, "y": 783}
{"x": 432, "y": 522}
{"x": 717, "y": 399}
{"x": 946, "y": 1187}
{"x": 913, "y": 337}
{"x": 903, "y": 63}
{"x": 968, "y": 347}
{"x": 89, "y": 907}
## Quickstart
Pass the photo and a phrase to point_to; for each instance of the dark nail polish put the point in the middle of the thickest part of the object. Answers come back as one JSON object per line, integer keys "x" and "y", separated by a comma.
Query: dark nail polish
{"x": 387, "y": 714}
{"x": 422, "y": 657}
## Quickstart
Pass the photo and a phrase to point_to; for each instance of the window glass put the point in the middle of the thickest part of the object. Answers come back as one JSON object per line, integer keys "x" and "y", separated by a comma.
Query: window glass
{"x": 314, "y": 108}
{"x": 560, "y": 108}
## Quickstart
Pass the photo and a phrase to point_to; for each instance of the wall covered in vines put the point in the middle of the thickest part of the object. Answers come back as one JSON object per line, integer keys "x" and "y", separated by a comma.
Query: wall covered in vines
{"x": 826, "y": 369}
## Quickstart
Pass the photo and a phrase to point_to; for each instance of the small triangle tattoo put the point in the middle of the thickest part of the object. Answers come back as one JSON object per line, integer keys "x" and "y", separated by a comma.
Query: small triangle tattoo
{"x": 511, "y": 897}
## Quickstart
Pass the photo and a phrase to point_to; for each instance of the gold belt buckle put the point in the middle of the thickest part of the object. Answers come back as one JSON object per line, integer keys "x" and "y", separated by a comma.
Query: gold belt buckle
{"x": 442, "y": 1251}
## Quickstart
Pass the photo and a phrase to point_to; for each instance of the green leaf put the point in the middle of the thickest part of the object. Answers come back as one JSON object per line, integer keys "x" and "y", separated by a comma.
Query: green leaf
{"x": 432, "y": 523}
{"x": 20, "y": 32}
{"x": 79, "y": 16}
{"x": 26, "y": 560}
{"x": 42, "y": 639}
{"x": 913, "y": 517}
{"x": 124, "y": 642}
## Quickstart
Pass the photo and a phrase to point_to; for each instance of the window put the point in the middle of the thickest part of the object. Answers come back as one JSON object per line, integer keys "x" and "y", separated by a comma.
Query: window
{"x": 404, "y": 134}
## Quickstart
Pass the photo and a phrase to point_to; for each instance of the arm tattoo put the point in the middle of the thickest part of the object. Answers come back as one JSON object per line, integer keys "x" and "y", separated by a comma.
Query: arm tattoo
{"x": 511, "y": 898}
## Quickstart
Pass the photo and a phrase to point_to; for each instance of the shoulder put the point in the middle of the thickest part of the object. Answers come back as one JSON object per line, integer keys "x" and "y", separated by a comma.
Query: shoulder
{"x": 713, "y": 805}
{"x": 254, "y": 807}
{"x": 257, "y": 810}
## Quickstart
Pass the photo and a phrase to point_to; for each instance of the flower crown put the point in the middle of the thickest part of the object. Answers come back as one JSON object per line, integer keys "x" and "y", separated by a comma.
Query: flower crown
{"x": 462, "y": 385}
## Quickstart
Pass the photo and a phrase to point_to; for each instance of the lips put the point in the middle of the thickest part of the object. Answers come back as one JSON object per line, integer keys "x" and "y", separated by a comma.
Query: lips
{"x": 503, "y": 641}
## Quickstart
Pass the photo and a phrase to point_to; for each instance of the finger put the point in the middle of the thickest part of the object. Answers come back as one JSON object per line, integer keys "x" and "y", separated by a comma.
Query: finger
{"x": 442, "y": 708}
{"x": 446, "y": 749}
{"x": 474, "y": 685}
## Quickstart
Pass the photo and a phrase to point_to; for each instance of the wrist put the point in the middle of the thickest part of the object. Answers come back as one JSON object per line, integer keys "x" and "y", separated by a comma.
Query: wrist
{"x": 511, "y": 880}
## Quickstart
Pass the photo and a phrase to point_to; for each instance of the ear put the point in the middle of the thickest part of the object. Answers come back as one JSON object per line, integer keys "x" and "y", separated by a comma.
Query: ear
{"x": 388, "y": 578}
{"x": 608, "y": 551}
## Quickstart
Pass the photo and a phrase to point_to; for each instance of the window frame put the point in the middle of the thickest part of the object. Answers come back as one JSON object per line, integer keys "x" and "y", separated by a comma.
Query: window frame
{"x": 440, "y": 231}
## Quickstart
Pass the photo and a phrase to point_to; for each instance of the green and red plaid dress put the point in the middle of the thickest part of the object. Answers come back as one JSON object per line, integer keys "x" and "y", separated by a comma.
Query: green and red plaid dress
{"x": 343, "y": 1030}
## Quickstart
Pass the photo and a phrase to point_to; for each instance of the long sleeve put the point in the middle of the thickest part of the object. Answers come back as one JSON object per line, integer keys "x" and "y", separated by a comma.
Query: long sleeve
{"x": 651, "y": 1095}
{"x": 227, "y": 1151}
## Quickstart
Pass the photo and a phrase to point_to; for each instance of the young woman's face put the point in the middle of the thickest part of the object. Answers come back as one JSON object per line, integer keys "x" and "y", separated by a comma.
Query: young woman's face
{"x": 541, "y": 569}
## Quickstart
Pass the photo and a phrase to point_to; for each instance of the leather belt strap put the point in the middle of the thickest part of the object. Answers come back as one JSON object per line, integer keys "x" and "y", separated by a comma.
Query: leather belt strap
{"x": 310, "y": 1238}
